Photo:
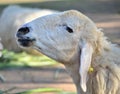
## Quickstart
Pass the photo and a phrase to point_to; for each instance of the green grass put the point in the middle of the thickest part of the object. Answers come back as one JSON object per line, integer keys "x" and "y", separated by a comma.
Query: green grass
{"x": 46, "y": 90}
{"x": 11, "y": 59}
{"x": 39, "y": 91}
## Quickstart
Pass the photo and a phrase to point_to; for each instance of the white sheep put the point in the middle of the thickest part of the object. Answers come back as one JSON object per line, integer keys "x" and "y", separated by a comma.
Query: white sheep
{"x": 74, "y": 40}
{"x": 12, "y": 18}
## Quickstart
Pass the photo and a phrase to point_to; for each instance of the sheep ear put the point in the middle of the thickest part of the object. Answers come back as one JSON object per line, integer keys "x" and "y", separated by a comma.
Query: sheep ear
{"x": 85, "y": 62}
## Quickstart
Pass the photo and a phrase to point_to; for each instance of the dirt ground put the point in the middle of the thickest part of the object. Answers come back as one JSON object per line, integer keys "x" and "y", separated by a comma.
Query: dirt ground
{"x": 32, "y": 78}
{"x": 56, "y": 76}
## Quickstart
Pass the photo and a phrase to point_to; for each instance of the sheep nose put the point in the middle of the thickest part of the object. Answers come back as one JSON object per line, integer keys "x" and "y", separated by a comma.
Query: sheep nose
{"x": 23, "y": 31}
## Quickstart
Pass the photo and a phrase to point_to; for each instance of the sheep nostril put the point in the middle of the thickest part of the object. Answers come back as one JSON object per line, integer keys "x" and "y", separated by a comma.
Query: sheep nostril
{"x": 23, "y": 31}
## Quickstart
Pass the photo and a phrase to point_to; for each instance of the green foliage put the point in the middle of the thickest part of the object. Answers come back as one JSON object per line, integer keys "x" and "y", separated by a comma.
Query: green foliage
{"x": 46, "y": 90}
{"x": 39, "y": 90}
{"x": 12, "y": 59}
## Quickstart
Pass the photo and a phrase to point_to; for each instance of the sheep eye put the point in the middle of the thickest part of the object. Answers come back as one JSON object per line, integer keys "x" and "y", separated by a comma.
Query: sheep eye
{"x": 69, "y": 29}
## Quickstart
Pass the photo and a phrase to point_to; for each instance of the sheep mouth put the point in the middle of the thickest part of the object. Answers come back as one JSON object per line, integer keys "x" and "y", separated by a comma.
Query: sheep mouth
{"x": 26, "y": 42}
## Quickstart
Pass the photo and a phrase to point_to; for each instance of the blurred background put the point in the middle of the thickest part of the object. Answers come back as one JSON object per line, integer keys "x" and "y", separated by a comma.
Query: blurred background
{"x": 22, "y": 71}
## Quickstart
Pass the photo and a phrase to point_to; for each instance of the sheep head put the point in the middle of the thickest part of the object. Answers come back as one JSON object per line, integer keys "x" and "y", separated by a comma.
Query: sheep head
{"x": 66, "y": 37}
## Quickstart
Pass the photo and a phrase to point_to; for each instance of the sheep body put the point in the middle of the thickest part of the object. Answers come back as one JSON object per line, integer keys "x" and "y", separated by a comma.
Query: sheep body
{"x": 85, "y": 47}
{"x": 12, "y": 18}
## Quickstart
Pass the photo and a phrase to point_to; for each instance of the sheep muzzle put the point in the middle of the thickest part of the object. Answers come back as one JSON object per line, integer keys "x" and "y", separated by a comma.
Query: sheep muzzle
{"x": 25, "y": 41}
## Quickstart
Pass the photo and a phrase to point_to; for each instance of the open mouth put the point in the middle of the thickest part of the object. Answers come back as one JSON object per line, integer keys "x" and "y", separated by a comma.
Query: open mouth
{"x": 26, "y": 42}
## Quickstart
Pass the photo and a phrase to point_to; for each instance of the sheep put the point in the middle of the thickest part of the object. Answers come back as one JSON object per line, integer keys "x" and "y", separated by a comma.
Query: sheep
{"x": 73, "y": 39}
{"x": 12, "y": 18}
